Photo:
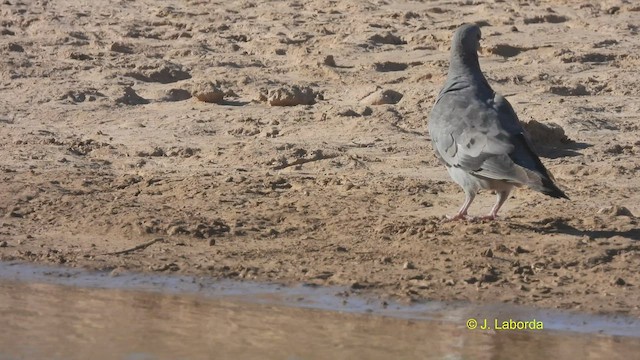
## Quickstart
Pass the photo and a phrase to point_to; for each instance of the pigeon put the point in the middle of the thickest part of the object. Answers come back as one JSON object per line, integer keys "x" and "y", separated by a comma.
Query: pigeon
{"x": 476, "y": 133}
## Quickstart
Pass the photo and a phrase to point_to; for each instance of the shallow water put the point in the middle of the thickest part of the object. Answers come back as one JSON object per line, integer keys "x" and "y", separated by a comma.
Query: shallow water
{"x": 48, "y": 313}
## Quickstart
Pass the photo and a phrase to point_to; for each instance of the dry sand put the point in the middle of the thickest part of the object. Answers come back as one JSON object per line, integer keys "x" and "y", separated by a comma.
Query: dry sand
{"x": 103, "y": 147}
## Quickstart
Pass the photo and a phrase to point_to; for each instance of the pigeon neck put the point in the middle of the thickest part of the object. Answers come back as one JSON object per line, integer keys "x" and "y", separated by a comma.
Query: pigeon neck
{"x": 463, "y": 61}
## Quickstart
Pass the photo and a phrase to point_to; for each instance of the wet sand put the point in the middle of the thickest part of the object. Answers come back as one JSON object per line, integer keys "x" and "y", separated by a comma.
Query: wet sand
{"x": 108, "y": 161}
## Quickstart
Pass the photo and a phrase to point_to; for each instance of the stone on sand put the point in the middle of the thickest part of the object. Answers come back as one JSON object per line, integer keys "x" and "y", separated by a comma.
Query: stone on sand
{"x": 382, "y": 97}
{"x": 208, "y": 92}
{"x": 130, "y": 97}
{"x": 545, "y": 133}
{"x": 289, "y": 96}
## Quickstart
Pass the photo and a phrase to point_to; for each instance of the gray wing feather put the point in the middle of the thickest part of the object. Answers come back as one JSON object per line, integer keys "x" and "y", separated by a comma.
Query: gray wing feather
{"x": 483, "y": 138}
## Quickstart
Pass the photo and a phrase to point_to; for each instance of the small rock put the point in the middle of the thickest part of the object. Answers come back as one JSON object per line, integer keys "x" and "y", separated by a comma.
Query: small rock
{"x": 130, "y": 97}
{"x": 545, "y": 134}
{"x": 349, "y": 113}
{"x": 573, "y": 90}
{"x": 471, "y": 280}
{"x": 408, "y": 265}
{"x": 7, "y": 32}
{"x": 281, "y": 52}
{"x": 208, "y": 92}
{"x": 165, "y": 267}
{"x": 176, "y": 230}
{"x": 449, "y": 282}
{"x": 157, "y": 151}
{"x": 504, "y": 50}
{"x": 116, "y": 272}
{"x": 489, "y": 277}
{"x": 387, "y": 38}
{"x": 3, "y": 244}
{"x": 615, "y": 210}
{"x": 163, "y": 73}
{"x": 121, "y": 48}
{"x": 618, "y": 149}
{"x": 358, "y": 286}
{"x": 543, "y": 290}
{"x": 329, "y": 61}
{"x": 289, "y": 96}
{"x": 322, "y": 275}
{"x": 548, "y": 18}
{"x": 487, "y": 253}
{"x": 520, "y": 250}
{"x": 613, "y": 10}
{"x": 619, "y": 282}
{"x": 80, "y": 56}
{"x": 502, "y": 248}
{"x": 382, "y": 97}
{"x": 280, "y": 183}
{"x": 15, "y": 47}
{"x": 389, "y": 66}
{"x": 366, "y": 111}
{"x": 176, "y": 95}
{"x": 341, "y": 249}
{"x": 523, "y": 270}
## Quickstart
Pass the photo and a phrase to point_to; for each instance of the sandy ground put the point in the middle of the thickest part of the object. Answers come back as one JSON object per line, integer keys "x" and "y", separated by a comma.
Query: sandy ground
{"x": 103, "y": 148}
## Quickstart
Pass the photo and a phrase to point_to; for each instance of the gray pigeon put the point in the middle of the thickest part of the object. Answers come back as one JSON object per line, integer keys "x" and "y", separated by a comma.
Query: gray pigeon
{"x": 476, "y": 134}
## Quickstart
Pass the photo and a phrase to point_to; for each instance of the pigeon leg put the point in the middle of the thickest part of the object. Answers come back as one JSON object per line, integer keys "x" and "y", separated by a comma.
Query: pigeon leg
{"x": 502, "y": 197}
{"x": 462, "y": 213}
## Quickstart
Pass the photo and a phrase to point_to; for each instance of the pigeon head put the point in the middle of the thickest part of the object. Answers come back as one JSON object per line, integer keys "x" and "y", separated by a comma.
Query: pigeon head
{"x": 464, "y": 47}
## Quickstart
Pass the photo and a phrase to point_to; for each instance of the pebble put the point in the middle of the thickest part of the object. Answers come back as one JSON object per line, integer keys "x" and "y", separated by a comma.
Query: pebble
{"x": 619, "y": 281}
{"x": 329, "y": 61}
{"x": 615, "y": 210}
{"x": 382, "y": 97}
{"x": 130, "y": 97}
{"x": 487, "y": 253}
{"x": 408, "y": 265}
{"x": 471, "y": 280}
{"x": 15, "y": 47}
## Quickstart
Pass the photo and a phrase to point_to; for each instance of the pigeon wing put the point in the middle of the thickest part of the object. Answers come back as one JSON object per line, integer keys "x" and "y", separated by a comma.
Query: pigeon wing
{"x": 466, "y": 133}
{"x": 486, "y": 139}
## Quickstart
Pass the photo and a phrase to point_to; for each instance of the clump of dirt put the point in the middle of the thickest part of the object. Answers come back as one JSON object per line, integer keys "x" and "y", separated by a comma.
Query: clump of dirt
{"x": 289, "y": 96}
{"x": 382, "y": 97}
{"x": 545, "y": 133}
{"x": 208, "y": 91}
{"x": 164, "y": 73}
{"x": 130, "y": 97}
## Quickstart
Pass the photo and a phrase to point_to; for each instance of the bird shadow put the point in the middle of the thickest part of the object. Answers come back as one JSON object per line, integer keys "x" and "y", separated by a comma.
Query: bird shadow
{"x": 560, "y": 226}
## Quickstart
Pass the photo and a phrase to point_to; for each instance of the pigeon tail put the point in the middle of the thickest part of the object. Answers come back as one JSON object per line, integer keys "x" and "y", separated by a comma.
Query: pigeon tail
{"x": 527, "y": 158}
{"x": 550, "y": 189}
